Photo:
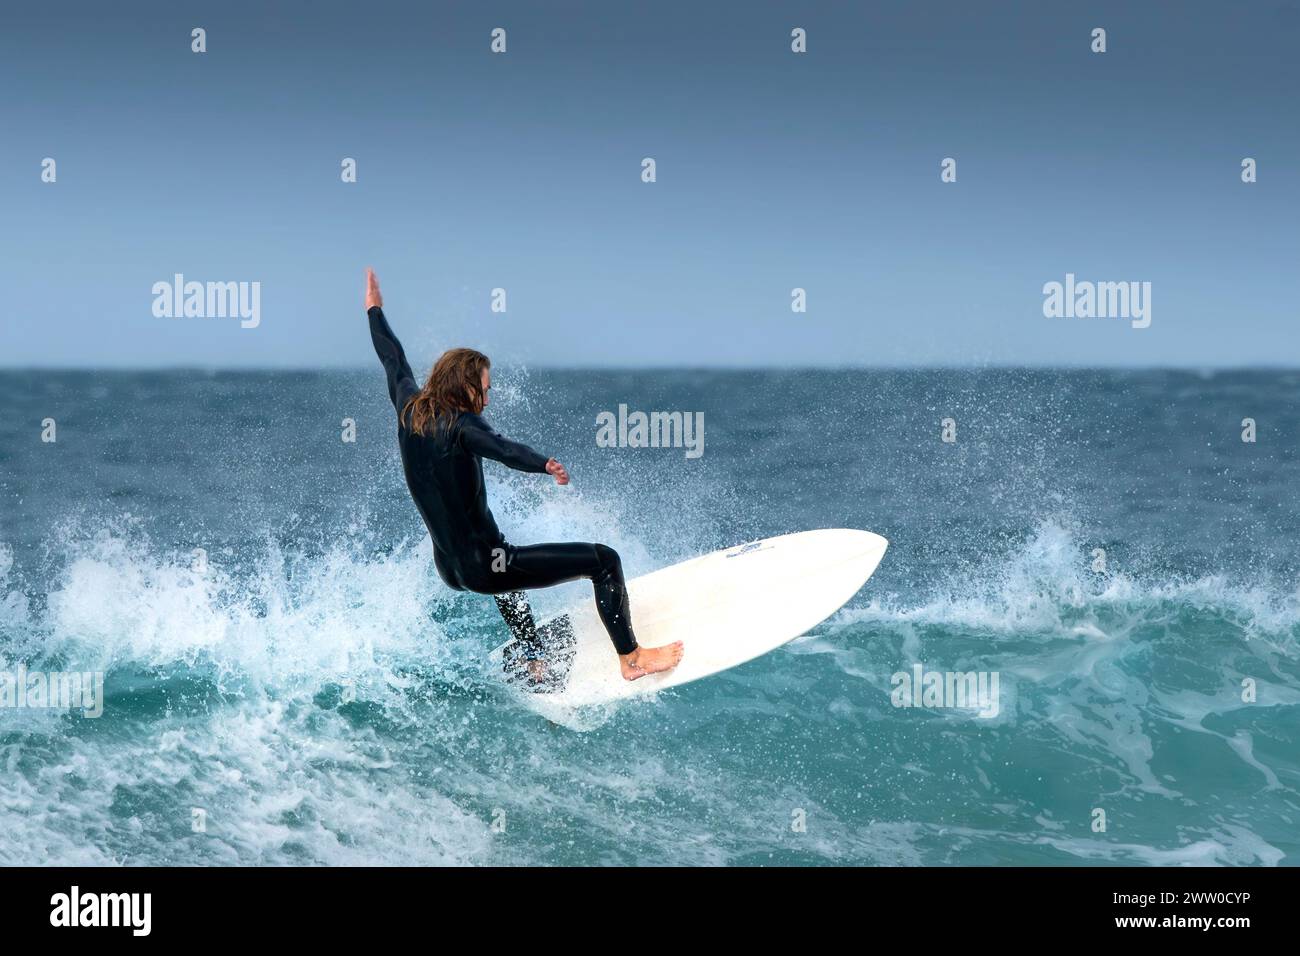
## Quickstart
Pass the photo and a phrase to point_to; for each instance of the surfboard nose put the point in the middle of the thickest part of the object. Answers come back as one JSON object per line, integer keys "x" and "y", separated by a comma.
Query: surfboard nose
{"x": 857, "y": 540}
{"x": 873, "y": 547}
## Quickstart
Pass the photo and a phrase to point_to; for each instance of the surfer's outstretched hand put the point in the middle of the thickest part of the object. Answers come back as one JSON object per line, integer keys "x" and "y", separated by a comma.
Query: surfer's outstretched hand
{"x": 561, "y": 474}
{"x": 373, "y": 298}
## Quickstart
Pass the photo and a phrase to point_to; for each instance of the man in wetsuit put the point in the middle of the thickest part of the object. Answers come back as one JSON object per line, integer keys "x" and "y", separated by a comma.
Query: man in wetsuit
{"x": 443, "y": 440}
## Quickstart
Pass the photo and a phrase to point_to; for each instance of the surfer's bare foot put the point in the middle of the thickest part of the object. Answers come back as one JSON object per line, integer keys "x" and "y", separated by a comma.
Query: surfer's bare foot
{"x": 373, "y": 298}
{"x": 650, "y": 660}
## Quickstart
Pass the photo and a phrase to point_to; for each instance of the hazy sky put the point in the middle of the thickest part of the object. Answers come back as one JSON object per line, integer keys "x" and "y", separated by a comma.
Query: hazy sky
{"x": 775, "y": 171}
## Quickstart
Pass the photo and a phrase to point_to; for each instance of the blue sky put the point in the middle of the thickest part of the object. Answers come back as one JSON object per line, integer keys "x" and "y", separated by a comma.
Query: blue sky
{"x": 775, "y": 171}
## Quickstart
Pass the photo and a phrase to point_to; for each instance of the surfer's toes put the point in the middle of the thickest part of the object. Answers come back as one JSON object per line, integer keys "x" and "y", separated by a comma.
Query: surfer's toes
{"x": 651, "y": 660}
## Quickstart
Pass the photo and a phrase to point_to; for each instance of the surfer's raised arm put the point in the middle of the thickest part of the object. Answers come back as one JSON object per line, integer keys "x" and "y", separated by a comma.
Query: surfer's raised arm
{"x": 401, "y": 380}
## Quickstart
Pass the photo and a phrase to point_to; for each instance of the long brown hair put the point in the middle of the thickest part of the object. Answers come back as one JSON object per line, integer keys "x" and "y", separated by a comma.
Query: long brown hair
{"x": 454, "y": 385}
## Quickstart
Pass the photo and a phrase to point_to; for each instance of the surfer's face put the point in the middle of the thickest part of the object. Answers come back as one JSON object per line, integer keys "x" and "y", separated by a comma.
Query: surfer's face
{"x": 486, "y": 385}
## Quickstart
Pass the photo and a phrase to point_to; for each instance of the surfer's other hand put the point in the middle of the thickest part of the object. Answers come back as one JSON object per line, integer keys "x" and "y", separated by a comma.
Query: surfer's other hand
{"x": 373, "y": 298}
{"x": 561, "y": 474}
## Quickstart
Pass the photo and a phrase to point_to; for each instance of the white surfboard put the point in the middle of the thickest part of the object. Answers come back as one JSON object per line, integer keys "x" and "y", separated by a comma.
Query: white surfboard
{"x": 727, "y": 608}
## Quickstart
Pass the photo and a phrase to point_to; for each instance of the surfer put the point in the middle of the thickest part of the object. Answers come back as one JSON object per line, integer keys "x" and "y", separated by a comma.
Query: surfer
{"x": 443, "y": 440}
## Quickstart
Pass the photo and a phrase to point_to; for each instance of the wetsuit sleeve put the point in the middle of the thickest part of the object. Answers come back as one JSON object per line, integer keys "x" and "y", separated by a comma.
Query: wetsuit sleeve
{"x": 401, "y": 382}
{"x": 478, "y": 438}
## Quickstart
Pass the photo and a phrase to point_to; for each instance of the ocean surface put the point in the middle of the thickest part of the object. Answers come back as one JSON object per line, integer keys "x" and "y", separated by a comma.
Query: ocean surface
{"x": 288, "y": 682}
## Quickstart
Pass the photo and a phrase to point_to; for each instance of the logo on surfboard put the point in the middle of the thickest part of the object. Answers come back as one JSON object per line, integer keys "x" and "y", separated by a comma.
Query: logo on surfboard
{"x": 746, "y": 549}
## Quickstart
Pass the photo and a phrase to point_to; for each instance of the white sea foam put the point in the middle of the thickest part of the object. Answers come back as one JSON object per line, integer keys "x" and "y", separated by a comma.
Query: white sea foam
{"x": 116, "y": 604}
{"x": 413, "y": 773}
{"x": 1045, "y": 589}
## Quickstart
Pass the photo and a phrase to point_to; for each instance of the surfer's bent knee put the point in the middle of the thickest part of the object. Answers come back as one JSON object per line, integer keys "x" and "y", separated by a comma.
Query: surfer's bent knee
{"x": 609, "y": 559}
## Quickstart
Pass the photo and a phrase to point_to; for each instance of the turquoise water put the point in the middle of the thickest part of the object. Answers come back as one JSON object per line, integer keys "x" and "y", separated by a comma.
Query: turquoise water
{"x": 321, "y": 697}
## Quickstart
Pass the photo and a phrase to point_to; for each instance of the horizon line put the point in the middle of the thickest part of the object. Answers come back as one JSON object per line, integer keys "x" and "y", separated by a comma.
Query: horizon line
{"x": 900, "y": 367}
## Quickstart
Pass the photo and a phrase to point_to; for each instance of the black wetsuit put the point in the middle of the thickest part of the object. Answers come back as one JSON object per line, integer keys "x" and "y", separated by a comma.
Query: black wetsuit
{"x": 444, "y": 471}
